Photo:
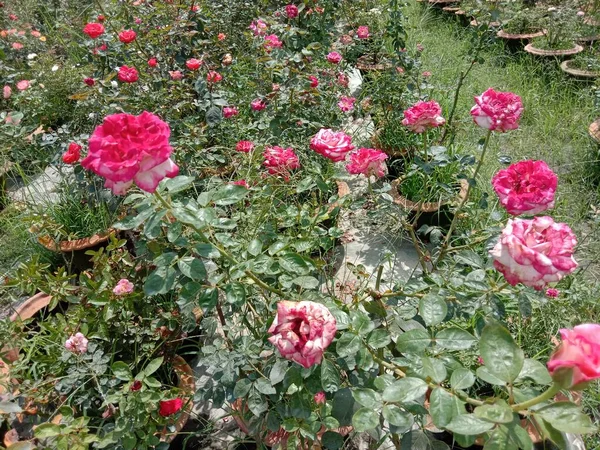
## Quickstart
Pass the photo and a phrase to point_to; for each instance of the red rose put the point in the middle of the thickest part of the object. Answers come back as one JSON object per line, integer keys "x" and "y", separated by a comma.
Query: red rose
{"x": 94, "y": 30}
{"x": 127, "y": 36}
{"x": 73, "y": 153}
{"x": 89, "y": 81}
{"x": 169, "y": 407}
{"x": 213, "y": 77}
{"x": 128, "y": 74}
{"x": 136, "y": 386}
{"x": 152, "y": 62}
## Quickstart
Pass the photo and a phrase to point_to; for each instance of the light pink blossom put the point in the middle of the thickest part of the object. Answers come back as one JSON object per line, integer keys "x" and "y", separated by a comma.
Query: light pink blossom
{"x": 302, "y": 331}
{"x": 258, "y": 27}
{"x": 77, "y": 343}
{"x": 346, "y": 104}
{"x": 362, "y": 32}
{"x": 279, "y": 161}
{"x": 334, "y": 57}
{"x": 331, "y": 144}
{"x": 23, "y": 85}
{"x": 124, "y": 286}
{"x": 497, "y": 110}
{"x": 423, "y": 115}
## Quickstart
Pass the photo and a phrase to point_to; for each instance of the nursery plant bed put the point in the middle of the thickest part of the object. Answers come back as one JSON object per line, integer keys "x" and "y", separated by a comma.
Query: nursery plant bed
{"x": 519, "y": 36}
{"x": 578, "y": 73}
{"x": 530, "y": 48}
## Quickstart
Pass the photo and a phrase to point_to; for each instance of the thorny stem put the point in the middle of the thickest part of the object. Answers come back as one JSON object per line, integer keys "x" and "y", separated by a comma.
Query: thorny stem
{"x": 547, "y": 395}
{"x": 445, "y": 246}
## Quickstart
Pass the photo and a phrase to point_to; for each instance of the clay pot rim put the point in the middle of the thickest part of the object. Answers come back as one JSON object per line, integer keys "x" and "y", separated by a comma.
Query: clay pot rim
{"x": 578, "y": 72}
{"x": 519, "y": 36}
{"x": 427, "y": 207}
{"x": 76, "y": 244}
{"x": 530, "y": 48}
{"x": 387, "y": 150}
{"x": 442, "y": 2}
{"x": 379, "y": 67}
{"x": 474, "y": 23}
{"x": 451, "y": 9}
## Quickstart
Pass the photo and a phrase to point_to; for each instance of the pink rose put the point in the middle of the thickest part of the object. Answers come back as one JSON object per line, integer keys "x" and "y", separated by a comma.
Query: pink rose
{"x": 127, "y": 148}
{"x": 17, "y": 46}
{"x": 578, "y": 357}
{"x": 193, "y": 63}
{"x": 280, "y": 161}
{"x": 128, "y": 74}
{"x": 314, "y": 81}
{"x": 23, "y": 85}
{"x": 244, "y": 146}
{"x": 213, "y": 76}
{"x": 77, "y": 343}
{"x": 175, "y": 75}
{"x": 271, "y": 42}
{"x": 221, "y": 36}
{"x": 367, "y": 161}
{"x": 342, "y": 79}
{"x": 94, "y": 30}
{"x": 423, "y": 115}
{"x": 152, "y": 62}
{"x": 258, "y": 104}
{"x": 346, "y": 104}
{"x": 526, "y": 187}
{"x": 124, "y": 286}
{"x": 241, "y": 183}
{"x": 426, "y": 74}
{"x": 331, "y": 144}
{"x": 497, "y": 110}
{"x": 291, "y": 11}
{"x": 535, "y": 252}
{"x": 320, "y": 398}
{"x": 334, "y": 57}
{"x": 258, "y": 27}
{"x": 552, "y": 293}
{"x": 127, "y": 36}
{"x": 362, "y": 32}
{"x": 7, "y": 91}
{"x": 230, "y": 111}
{"x": 302, "y": 331}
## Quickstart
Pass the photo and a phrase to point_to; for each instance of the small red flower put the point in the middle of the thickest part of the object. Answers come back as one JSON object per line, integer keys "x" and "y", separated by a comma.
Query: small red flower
{"x": 128, "y": 74}
{"x": 213, "y": 77}
{"x": 89, "y": 81}
{"x": 170, "y": 407}
{"x": 193, "y": 63}
{"x": 94, "y": 30}
{"x": 73, "y": 153}
{"x": 100, "y": 18}
{"x": 152, "y": 62}
{"x": 136, "y": 386}
{"x": 127, "y": 36}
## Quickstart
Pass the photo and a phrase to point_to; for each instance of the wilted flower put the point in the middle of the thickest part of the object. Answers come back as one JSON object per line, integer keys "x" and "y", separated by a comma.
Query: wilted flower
{"x": 23, "y": 85}
{"x": 346, "y": 104}
{"x": 123, "y": 287}
{"x": 89, "y": 81}
{"x": 258, "y": 27}
{"x": 175, "y": 75}
{"x": 279, "y": 161}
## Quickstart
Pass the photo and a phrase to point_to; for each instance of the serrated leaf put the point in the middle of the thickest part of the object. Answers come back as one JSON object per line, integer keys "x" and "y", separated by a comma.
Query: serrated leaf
{"x": 192, "y": 268}
{"x": 367, "y": 397}
{"x": 330, "y": 376}
{"x": 433, "y": 309}
{"x": 454, "y": 338}
{"x": 441, "y": 407}
{"x": 499, "y": 412}
{"x": 278, "y": 371}
{"x": 462, "y": 378}
{"x": 264, "y": 386}
{"x": 379, "y": 338}
{"x": 468, "y": 425}
{"x": 348, "y": 344}
{"x": 229, "y": 194}
{"x": 242, "y": 387}
{"x": 332, "y": 440}
{"x": 501, "y": 356}
{"x": 306, "y": 282}
{"x": 365, "y": 419}
{"x": 535, "y": 371}
{"x": 46, "y": 430}
{"x": 121, "y": 370}
{"x": 405, "y": 390}
{"x": 567, "y": 417}
{"x": 413, "y": 341}
{"x": 153, "y": 366}
{"x": 235, "y": 293}
{"x": 398, "y": 417}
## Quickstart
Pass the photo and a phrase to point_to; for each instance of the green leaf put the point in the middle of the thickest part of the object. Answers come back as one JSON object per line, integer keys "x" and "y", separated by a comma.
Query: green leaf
{"x": 501, "y": 356}
{"x": 121, "y": 371}
{"x": 46, "y": 430}
{"x": 365, "y": 419}
{"x": 213, "y": 116}
{"x": 413, "y": 341}
{"x": 256, "y": 403}
{"x": 433, "y": 309}
{"x": 295, "y": 264}
{"x": 192, "y": 268}
{"x": 255, "y": 247}
{"x": 306, "y": 282}
{"x": 152, "y": 382}
{"x": 361, "y": 323}
{"x": 160, "y": 281}
{"x": 398, "y": 417}
{"x": 462, "y": 378}
{"x": 442, "y": 407}
{"x": 500, "y": 440}
{"x": 235, "y": 293}
{"x": 229, "y": 194}
{"x": 379, "y": 338}
{"x": 264, "y": 386}
{"x": 484, "y": 374}
{"x": 535, "y": 371}
{"x": 207, "y": 251}
{"x": 129, "y": 441}
{"x": 242, "y": 387}
{"x": 152, "y": 228}
{"x": 434, "y": 369}
{"x": 468, "y": 425}
{"x": 332, "y": 440}
{"x": 567, "y": 417}
{"x": 499, "y": 412}
{"x": 454, "y": 338}
{"x": 23, "y": 446}
{"x": 343, "y": 405}
{"x": 330, "y": 376}
{"x": 348, "y": 344}
{"x": 278, "y": 371}
{"x": 367, "y": 397}
{"x": 178, "y": 184}
{"x": 405, "y": 390}
{"x": 469, "y": 258}
{"x": 153, "y": 366}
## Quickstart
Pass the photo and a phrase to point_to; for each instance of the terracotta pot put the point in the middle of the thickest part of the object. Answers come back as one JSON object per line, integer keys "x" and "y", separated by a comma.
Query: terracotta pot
{"x": 366, "y": 64}
{"x": 187, "y": 383}
{"x": 588, "y": 39}
{"x": 519, "y": 36}
{"x": 529, "y": 48}
{"x": 77, "y": 244}
{"x": 579, "y": 73}
{"x": 474, "y": 23}
{"x": 427, "y": 207}
{"x": 442, "y": 2}
{"x": 594, "y": 130}
{"x": 451, "y": 9}
{"x": 272, "y": 438}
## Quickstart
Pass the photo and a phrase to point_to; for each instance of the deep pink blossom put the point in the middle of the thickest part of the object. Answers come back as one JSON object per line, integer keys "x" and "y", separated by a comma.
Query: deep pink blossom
{"x": 331, "y": 144}
{"x": 552, "y": 293}
{"x": 258, "y": 104}
{"x": 258, "y": 27}
{"x": 362, "y": 32}
{"x": 279, "y": 161}
{"x": 367, "y": 161}
{"x": 94, "y": 30}
{"x": 314, "y": 81}
{"x": 127, "y": 36}
{"x": 193, "y": 63}
{"x": 346, "y": 104}
{"x": 244, "y": 146}
{"x": 230, "y": 111}
{"x": 302, "y": 331}
{"x": 334, "y": 57}
{"x": 526, "y": 187}
{"x": 127, "y": 148}
{"x": 423, "y": 115}
{"x": 291, "y": 11}
{"x": 497, "y": 110}
{"x": 271, "y": 42}
{"x": 128, "y": 74}
{"x": 175, "y": 75}
{"x": 213, "y": 76}
{"x": 320, "y": 398}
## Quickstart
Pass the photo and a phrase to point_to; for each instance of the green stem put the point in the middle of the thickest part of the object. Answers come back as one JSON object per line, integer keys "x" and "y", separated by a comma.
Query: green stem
{"x": 547, "y": 395}
{"x": 465, "y": 199}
